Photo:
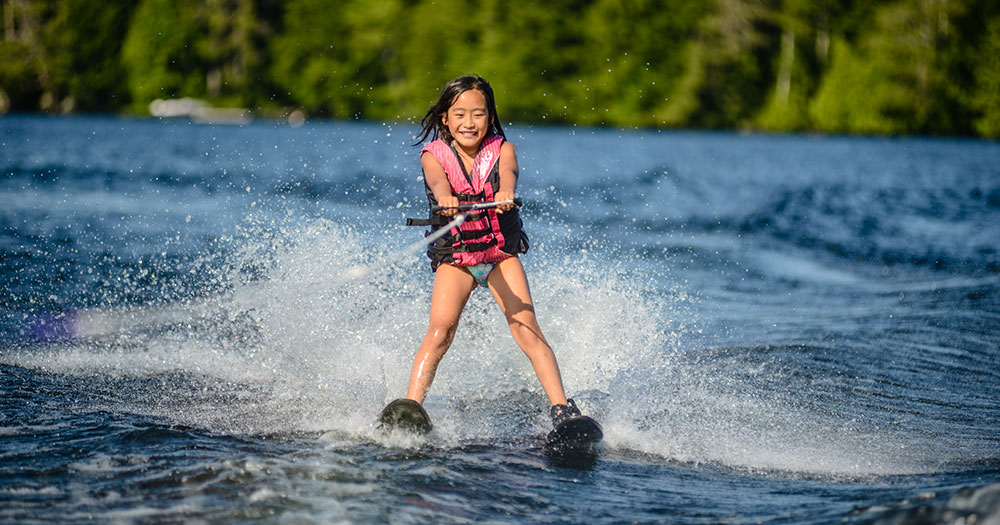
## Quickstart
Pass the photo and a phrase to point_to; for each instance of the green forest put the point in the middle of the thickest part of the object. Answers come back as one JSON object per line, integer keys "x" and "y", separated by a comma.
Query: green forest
{"x": 829, "y": 66}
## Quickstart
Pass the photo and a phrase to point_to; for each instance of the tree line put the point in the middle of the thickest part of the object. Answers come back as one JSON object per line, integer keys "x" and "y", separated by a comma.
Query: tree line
{"x": 835, "y": 66}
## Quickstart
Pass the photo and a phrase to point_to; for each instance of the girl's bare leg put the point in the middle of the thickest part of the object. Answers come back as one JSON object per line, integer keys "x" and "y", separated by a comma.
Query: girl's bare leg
{"x": 452, "y": 287}
{"x": 509, "y": 285}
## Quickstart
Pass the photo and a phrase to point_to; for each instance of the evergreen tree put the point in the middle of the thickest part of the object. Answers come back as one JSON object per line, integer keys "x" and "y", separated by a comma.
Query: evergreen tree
{"x": 84, "y": 39}
{"x": 894, "y": 79}
{"x": 986, "y": 90}
{"x": 158, "y": 56}
{"x": 725, "y": 79}
{"x": 26, "y": 81}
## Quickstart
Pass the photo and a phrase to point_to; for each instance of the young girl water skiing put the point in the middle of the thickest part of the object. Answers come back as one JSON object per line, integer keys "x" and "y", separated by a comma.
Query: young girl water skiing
{"x": 468, "y": 160}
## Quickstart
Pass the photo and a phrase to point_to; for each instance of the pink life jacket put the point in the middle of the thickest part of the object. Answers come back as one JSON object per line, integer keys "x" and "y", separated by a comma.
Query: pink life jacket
{"x": 478, "y": 239}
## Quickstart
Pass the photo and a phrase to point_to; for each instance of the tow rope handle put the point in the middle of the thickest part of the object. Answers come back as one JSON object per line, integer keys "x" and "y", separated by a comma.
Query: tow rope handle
{"x": 477, "y": 205}
{"x": 430, "y": 221}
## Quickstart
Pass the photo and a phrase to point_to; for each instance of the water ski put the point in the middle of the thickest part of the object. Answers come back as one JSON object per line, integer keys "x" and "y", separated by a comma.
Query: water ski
{"x": 405, "y": 414}
{"x": 574, "y": 434}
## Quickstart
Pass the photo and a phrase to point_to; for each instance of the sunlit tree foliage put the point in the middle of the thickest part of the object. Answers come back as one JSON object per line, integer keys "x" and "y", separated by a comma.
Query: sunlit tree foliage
{"x": 843, "y": 66}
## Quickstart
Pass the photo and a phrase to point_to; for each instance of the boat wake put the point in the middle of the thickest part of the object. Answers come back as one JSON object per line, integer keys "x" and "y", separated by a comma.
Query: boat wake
{"x": 305, "y": 345}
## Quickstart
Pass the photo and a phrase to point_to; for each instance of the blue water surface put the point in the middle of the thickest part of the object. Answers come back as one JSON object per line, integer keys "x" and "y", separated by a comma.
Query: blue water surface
{"x": 202, "y": 322}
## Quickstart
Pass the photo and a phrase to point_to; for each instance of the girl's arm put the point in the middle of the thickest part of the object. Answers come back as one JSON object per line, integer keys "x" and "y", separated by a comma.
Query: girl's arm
{"x": 508, "y": 176}
{"x": 437, "y": 181}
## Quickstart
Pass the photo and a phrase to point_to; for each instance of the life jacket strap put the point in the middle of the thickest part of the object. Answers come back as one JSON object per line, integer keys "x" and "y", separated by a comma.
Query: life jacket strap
{"x": 475, "y": 234}
{"x": 433, "y": 220}
{"x": 471, "y": 197}
{"x": 461, "y": 248}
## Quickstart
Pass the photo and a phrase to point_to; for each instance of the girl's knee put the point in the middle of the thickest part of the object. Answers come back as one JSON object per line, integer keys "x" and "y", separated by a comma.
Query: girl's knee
{"x": 525, "y": 329}
{"x": 440, "y": 336}
{"x": 530, "y": 339}
{"x": 539, "y": 353}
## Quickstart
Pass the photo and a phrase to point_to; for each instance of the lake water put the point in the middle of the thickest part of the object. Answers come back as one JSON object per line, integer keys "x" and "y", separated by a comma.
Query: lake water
{"x": 770, "y": 328}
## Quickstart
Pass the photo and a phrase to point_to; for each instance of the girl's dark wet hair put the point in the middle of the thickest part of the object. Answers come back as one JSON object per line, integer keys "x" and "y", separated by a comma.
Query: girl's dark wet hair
{"x": 431, "y": 125}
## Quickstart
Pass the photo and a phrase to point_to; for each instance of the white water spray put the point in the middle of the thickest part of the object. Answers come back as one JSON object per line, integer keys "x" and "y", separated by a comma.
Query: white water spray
{"x": 316, "y": 345}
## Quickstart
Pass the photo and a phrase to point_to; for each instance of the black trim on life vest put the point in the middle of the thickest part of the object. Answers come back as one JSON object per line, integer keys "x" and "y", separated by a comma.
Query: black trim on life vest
{"x": 433, "y": 220}
{"x": 471, "y": 197}
{"x": 461, "y": 248}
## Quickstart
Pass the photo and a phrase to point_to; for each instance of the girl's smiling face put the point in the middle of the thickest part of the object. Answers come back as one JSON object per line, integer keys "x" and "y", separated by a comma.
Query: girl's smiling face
{"x": 468, "y": 120}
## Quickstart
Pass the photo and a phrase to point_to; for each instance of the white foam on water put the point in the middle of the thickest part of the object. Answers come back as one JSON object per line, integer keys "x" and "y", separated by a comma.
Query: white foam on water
{"x": 32, "y": 491}
{"x": 759, "y": 433}
{"x": 97, "y": 463}
{"x": 321, "y": 338}
{"x": 798, "y": 268}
